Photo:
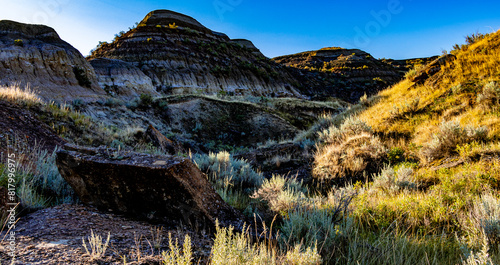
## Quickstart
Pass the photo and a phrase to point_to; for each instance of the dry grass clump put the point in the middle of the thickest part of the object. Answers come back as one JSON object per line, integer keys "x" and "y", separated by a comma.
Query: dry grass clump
{"x": 451, "y": 134}
{"x": 97, "y": 248}
{"x": 350, "y": 153}
{"x": 177, "y": 256}
{"x": 237, "y": 248}
{"x": 15, "y": 94}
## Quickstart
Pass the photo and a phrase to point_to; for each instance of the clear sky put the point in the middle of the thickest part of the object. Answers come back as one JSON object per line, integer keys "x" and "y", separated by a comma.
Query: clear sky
{"x": 385, "y": 28}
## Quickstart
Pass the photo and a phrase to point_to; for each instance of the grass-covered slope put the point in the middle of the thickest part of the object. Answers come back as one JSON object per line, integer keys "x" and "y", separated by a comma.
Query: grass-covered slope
{"x": 423, "y": 158}
{"x": 465, "y": 89}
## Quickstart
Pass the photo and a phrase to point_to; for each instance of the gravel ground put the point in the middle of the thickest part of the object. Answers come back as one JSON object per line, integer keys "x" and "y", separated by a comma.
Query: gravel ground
{"x": 54, "y": 236}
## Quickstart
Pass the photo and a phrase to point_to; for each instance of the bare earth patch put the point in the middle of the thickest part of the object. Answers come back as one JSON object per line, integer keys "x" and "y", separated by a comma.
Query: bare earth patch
{"x": 54, "y": 236}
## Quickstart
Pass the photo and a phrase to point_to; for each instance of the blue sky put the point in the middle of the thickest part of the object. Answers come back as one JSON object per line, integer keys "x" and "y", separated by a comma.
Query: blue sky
{"x": 387, "y": 29}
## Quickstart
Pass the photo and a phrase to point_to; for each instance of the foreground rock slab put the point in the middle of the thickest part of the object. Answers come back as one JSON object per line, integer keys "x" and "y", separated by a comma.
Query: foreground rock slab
{"x": 161, "y": 189}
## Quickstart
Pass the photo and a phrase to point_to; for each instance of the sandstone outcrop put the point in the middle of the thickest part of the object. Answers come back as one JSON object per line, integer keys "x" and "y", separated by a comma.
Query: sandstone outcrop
{"x": 122, "y": 79}
{"x": 163, "y": 189}
{"x": 35, "y": 55}
{"x": 182, "y": 56}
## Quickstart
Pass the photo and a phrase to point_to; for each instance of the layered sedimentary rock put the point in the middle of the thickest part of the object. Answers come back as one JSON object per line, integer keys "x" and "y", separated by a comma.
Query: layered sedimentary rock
{"x": 165, "y": 189}
{"x": 34, "y": 55}
{"x": 122, "y": 79}
{"x": 182, "y": 56}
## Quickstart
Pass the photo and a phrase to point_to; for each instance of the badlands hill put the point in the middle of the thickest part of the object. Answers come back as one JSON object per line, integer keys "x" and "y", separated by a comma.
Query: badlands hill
{"x": 182, "y": 56}
{"x": 35, "y": 55}
{"x": 344, "y": 73}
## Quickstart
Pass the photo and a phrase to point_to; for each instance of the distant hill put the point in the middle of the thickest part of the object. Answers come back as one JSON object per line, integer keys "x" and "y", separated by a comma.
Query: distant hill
{"x": 351, "y": 72}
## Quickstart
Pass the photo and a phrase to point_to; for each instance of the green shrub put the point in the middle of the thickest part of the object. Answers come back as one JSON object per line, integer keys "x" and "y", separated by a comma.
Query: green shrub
{"x": 396, "y": 155}
{"x": 145, "y": 101}
{"x": 19, "y": 42}
{"x": 81, "y": 77}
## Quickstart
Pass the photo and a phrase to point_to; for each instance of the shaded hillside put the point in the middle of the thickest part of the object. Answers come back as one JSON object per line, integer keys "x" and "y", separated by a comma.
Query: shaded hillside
{"x": 343, "y": 73}
{"x": 182, "y": 56}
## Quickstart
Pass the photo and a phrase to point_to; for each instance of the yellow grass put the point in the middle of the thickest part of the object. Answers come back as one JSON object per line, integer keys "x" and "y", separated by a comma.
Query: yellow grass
{"x": 15, "y": 94}
{"x": 473, "y": 67}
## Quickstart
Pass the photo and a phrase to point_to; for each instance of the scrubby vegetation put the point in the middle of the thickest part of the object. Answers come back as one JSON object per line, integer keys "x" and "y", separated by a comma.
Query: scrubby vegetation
{"x": 38, "y": 181}
{"x": 415, "y": 170}
{"x": 408, "y": 176}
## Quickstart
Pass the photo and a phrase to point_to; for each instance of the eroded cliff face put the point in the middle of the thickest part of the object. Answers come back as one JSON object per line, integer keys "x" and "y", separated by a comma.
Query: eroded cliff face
{"x": 122, "y": 79}
{"x": 182, "y": 56}
{"x": 34, "y": 55}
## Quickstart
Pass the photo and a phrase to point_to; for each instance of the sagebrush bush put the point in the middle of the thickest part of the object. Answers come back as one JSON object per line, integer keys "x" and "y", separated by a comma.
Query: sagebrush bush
{"x": 315, "y": 227}
{"x": 490, "y": 96}
{"x": 487, "y": 211}
{"x": 222, "y": 167}
{"x": 324, "y": 122}
{"x": 390, "y": 181}
{"x": 351, "y": 152}
{"x": 39, "y": 183}
{"x": 282, "y": 194}
{"x": 450, "y": 135}
{"x": 351, "y": 127}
